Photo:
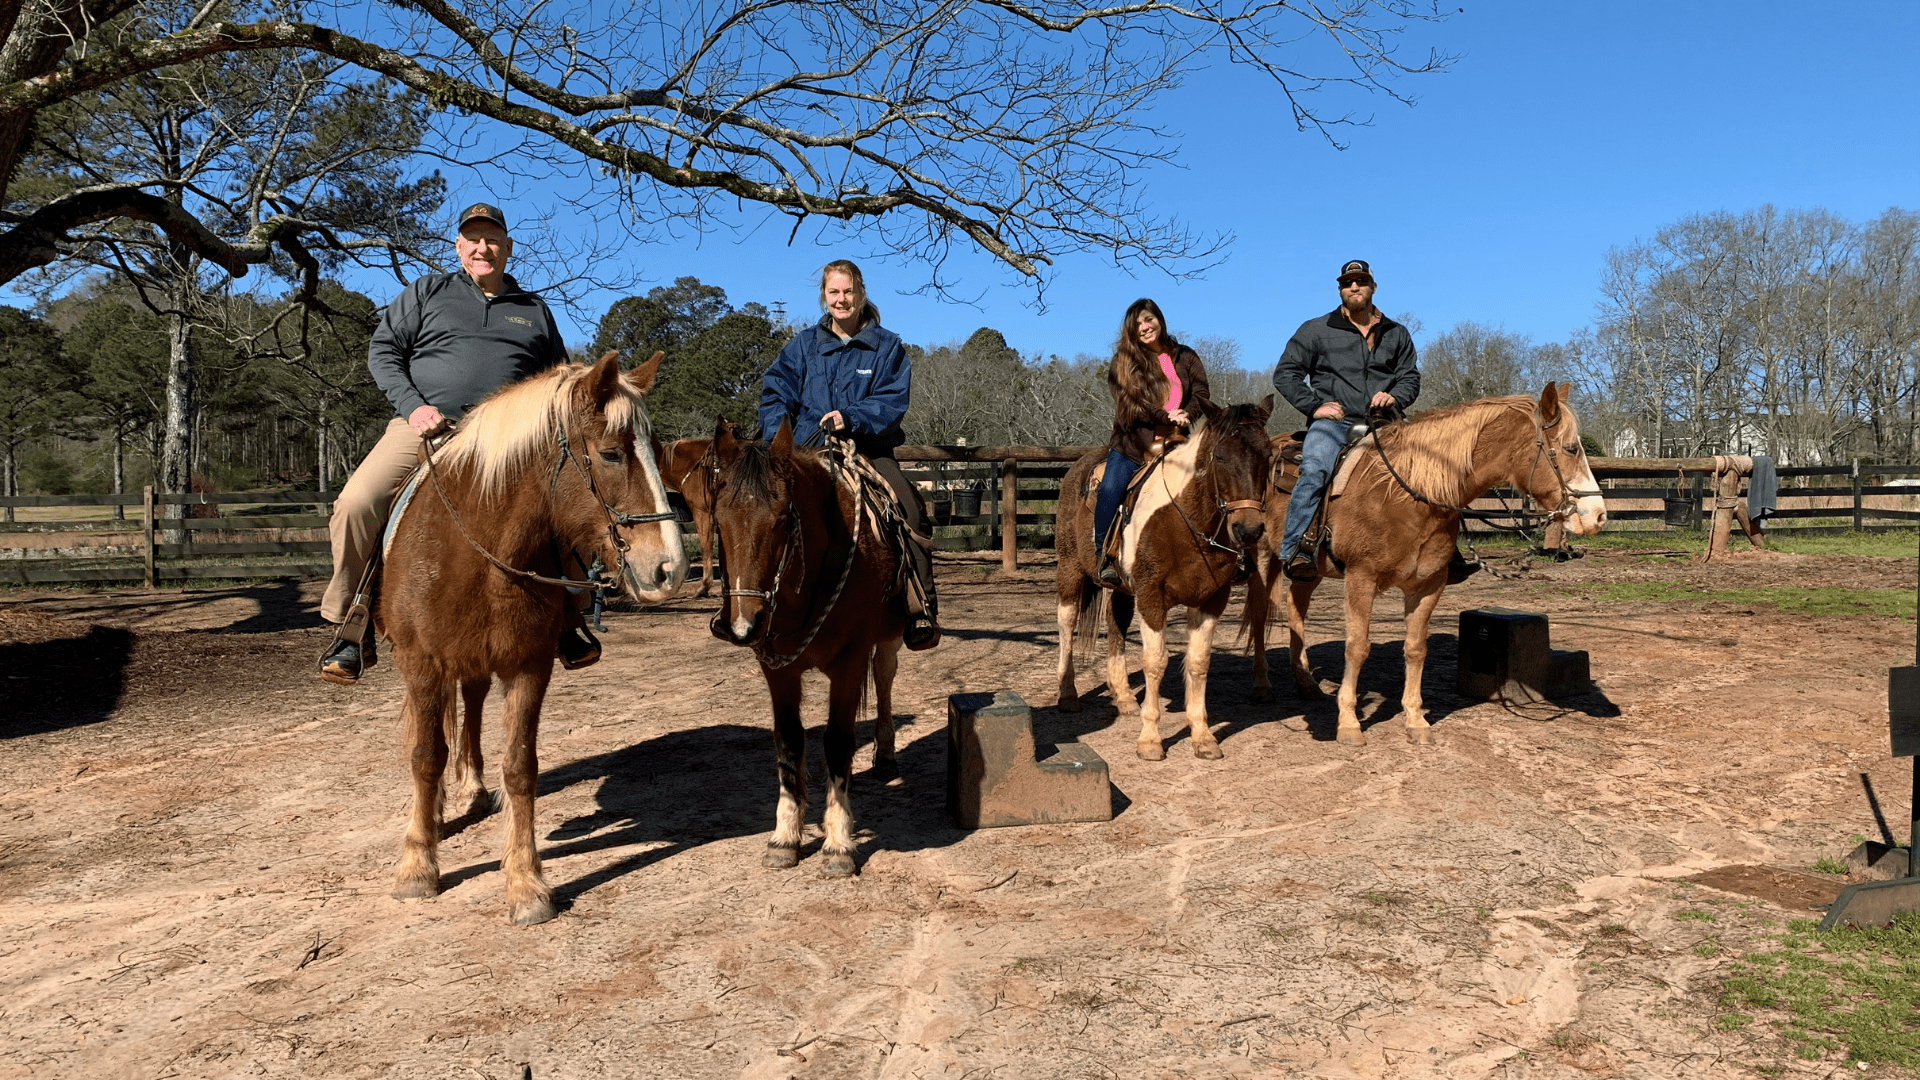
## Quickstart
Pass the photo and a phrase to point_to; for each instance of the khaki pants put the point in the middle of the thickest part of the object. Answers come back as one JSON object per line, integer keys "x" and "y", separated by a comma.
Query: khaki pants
{"x": 360, "y": 513}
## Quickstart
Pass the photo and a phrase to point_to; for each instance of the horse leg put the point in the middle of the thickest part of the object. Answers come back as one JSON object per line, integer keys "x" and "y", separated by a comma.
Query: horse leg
{"x": 470, "y": 794}
{"x": 886, "y": 662}
{"x": 1299, "y": 595}
{"x": 790, "y": 757}
{"x": 1199, "y": 662}
{"x": 1419, "y": 612}
{"x": 422, "y": 716}
{"x": 847, "y": 681}
{"x": 1119, "y": 616}
{"x": 529, "y": 899}
{"x": 1360, "y": 590}
{"x": 1259, "y": 606}
{"x": 1073, "y": 585}
{"x": 703, "y": 522}
{"x": 1153, "y": 665}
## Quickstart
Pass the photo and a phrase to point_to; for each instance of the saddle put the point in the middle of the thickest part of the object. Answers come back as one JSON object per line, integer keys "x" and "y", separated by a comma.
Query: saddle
{"x": 1166, "y": 437}
{"x": 879, "y": 504}
{"x": 1288, "y": 452}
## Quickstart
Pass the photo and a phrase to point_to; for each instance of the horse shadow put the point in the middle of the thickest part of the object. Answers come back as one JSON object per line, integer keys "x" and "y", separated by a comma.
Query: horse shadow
{"x": 48, "y": 686}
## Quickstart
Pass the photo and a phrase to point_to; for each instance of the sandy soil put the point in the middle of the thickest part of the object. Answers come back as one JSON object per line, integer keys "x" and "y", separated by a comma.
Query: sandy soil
{"x": 197, "y": 839}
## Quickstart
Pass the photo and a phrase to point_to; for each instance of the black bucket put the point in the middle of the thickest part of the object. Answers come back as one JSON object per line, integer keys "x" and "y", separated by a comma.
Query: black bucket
{"x": 1683, "y": 512}
{"x": 966, "y": 503}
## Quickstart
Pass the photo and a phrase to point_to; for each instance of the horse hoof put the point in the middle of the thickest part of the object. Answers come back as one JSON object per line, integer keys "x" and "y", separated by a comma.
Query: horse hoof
{"x": 533, "y": 912}
{"x": 836, "y": 864}
{"x": 781, "y": 856}
{"x": 1420, "y": 736}
{"x": 885, "y": 768}
{"x": 1263, "y": 695}
{"x": 1309, "y": 691}
{"x": 1069, "y": 704}
{"x": 482, "y": 803}
{"x": 417, "y": 887}
{"x": 1352, "y": 737}
{"x": 1151, "y": 751}
{"x": 1209, "y": 751}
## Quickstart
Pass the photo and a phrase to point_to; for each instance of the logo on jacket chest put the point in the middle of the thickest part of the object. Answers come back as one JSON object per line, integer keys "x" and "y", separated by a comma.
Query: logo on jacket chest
{"x": 519, "y": 320}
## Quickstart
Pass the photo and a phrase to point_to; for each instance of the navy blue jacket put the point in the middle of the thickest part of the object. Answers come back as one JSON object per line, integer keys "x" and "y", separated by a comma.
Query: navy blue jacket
{"x": 866, "y": 378}
{"x": 1328, "y": 360}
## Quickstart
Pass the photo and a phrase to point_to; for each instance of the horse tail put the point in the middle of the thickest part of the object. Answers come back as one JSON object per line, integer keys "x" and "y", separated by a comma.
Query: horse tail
{"x": 1093, "y": 615}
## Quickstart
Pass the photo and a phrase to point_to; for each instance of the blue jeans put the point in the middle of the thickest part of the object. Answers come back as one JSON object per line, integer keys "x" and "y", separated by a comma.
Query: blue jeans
{"x": 1322, "y": 449}
{"x": 1113, "y": 488}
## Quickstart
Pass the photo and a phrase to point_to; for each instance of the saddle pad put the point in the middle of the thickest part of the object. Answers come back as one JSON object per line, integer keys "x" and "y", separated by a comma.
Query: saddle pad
{"x": 399, "y": 507}
{"x": 1347, "y": 463}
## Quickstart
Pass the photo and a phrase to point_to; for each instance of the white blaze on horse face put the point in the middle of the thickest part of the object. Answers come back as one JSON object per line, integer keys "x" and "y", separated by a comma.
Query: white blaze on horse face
{"x": 657, "y": 570}
{"x": 1589, "y": 511}
{"x": 1164, "y": 486}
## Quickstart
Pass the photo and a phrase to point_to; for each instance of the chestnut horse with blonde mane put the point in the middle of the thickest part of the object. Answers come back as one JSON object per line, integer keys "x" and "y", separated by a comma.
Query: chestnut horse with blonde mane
{"x": 538, "y": 479}
{"x": 1195, "y": 518}
{"x": 811, "y": 583}
{"x": 1398, "y": 532}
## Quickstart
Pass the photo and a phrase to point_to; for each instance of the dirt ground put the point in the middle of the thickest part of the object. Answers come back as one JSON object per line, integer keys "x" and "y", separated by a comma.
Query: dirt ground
{"x": 197, "y": 839}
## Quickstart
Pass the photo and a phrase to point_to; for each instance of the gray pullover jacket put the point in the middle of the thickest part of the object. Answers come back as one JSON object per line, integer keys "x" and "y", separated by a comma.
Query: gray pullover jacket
{"x": 1328, "y": 360}
{"x": 443, "y": 342}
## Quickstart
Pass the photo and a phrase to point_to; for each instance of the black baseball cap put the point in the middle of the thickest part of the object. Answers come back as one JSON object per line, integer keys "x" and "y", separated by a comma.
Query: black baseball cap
{"x": 486, "y": 212}
{"x": 1352, "y": 268}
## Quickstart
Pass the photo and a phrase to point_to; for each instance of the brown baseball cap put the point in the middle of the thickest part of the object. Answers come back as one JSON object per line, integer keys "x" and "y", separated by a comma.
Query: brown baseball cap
{"x": 1353, "y": 268}
{"x": 483, "y": 212}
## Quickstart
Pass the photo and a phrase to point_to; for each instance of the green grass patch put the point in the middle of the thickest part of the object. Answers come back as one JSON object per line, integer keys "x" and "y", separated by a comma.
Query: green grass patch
{"x": 1827, "y": 865}
{"x": 1788, "y": 599}
{"x": 1651, "y": 537}
{"x": 1695, "y": 916}
{"x": 1853, "y": 990}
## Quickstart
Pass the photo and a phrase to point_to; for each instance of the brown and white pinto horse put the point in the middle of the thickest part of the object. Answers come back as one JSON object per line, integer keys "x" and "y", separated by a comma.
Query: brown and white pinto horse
{"x": 1194, "y": 520}
{"x": 1386, "y": 537}
{"x": 539, "y": 478}
{"x": 810, "y": 585}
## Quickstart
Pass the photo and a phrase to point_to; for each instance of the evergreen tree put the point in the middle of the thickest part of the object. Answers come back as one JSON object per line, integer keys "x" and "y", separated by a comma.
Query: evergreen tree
{"x": 36, "y": 389}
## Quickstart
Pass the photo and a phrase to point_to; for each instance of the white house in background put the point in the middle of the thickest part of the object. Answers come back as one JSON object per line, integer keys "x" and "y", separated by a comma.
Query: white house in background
{"x": 1749, "y": 437}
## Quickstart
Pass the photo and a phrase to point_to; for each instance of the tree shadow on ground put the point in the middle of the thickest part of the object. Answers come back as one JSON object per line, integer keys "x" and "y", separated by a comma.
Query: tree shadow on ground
{"x": 68, "y": 682}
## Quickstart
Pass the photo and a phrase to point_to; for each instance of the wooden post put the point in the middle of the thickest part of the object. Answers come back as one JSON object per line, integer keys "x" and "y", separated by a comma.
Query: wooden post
{"x": 1726, "y": 485}
{"x": 1009, "y": 514}
{"x": 146, "y": 527}
{"x": 1858, "y": 503}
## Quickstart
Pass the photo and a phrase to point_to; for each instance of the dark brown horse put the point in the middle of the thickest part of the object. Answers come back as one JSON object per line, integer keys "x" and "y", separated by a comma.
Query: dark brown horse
{"x": 1399, "y": 533}
{"x": 687, "y": 467}
{"x": 1195, "y": 519}
{"x": 811, "y": 584}
{"x": 540, "y": 478}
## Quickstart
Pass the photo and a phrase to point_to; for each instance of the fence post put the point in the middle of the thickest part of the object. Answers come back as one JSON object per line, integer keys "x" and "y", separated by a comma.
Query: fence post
{"x": 1858, "y": 518}
{"x": 1010, "y": 514}
{"x": 146, "y": 528}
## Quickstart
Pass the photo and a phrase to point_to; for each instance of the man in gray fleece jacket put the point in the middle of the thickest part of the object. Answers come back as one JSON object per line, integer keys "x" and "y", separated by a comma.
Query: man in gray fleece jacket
{"x": 444, "y": 344}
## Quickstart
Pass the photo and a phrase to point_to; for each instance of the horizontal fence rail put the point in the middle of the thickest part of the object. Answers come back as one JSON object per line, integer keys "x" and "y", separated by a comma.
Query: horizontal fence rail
{"x": 980, "y": 498}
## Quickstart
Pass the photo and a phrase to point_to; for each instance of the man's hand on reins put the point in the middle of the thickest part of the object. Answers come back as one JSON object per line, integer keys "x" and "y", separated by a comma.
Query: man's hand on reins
{"x": 424, "y": 420}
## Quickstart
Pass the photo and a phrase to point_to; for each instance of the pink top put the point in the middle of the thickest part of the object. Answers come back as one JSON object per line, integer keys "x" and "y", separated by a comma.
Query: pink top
{"x": 1173, "y": 382}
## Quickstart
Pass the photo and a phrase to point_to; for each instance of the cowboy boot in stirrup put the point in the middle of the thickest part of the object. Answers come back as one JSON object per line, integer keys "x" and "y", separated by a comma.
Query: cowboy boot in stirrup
{"x": 1459, "y": 569}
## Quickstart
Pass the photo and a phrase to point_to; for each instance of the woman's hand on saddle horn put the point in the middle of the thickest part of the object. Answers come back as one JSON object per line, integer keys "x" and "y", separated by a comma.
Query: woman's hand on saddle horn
{"x": 833, "y": 422}
{"x": 1179, "y": 416}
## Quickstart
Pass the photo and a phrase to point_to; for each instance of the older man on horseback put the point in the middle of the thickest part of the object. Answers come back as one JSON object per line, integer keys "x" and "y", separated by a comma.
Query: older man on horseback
{"x": 444, "y": 344}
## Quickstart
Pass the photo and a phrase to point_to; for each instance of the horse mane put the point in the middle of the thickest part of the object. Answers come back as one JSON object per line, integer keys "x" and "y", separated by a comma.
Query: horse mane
{"x": 752, "y": 471}
{"x": 1433, "y": 452}
{"x": 515, "y": 425}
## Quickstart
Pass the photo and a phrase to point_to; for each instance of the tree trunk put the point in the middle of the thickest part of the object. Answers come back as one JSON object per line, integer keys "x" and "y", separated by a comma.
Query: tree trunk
{"x": 176, "y": 449}
{"x": 320, "y": 436}
{"x": 119, "y": 469}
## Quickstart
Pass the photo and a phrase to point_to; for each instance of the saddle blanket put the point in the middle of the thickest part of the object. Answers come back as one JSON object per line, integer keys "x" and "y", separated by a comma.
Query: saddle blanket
{"x": 399, "y": 507}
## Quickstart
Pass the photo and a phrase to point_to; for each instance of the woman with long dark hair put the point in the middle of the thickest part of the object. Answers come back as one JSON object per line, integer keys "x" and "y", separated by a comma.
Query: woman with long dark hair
{"x": 849, "y": 374}
{"x": 1156, "y": 382}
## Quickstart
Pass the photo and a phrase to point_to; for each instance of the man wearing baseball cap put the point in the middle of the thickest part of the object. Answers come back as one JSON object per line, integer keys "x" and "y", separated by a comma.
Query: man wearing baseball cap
{"x": 444, "y": 344}
{"x": 1335, "y": 369}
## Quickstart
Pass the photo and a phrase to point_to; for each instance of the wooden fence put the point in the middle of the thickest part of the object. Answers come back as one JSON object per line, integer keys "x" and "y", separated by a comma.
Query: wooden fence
{"x": 982, "y": 498}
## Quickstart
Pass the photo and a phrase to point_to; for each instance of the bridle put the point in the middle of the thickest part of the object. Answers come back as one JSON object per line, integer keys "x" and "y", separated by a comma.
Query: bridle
{"x": 795, "y": 547}
{"x": 1223, "y": 509}
{"x": 1569, "y": 494}
{"x": 615, "y": 518}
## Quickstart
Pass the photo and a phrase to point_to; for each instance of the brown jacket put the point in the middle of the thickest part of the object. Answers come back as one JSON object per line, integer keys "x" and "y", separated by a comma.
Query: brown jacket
{"x": 1134, "y": 417}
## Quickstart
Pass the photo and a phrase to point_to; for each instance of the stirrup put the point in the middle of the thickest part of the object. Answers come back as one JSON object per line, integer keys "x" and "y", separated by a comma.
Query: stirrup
{"x": 1303, "y": 567}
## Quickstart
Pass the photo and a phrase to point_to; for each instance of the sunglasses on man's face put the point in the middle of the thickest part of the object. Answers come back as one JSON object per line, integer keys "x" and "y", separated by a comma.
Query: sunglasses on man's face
{"x": 1351, "y": 282}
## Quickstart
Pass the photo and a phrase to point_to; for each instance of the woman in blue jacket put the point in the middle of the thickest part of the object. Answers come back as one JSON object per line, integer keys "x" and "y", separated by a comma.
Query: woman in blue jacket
{"x": 847, "y": 373}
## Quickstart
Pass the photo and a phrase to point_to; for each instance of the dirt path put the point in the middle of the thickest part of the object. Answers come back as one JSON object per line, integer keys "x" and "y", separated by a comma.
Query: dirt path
{"x": 196, "y": 842}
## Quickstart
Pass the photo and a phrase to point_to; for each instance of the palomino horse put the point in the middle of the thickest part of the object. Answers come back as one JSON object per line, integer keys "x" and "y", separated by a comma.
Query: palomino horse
{"x": 539, "y": 478}
{"x": 687, "y": 467}
{"x": 1399, "y": 532}
{"x": 1193, "y": 521}
{"x": 811, "y": 584}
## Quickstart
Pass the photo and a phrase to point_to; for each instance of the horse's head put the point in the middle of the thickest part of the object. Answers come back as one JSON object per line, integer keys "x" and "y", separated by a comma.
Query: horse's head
{"x": 752, "y": 501}
{"x": 611, "y": 442}
{"x": 1560, "y": 479}
{"x": 1239, "y": 456}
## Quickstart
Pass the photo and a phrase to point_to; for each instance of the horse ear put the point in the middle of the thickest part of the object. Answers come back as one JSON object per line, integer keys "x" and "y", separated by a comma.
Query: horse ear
{"x": 723, "y": 437}
{"x": 783, "y": 442}
{"x": 1550, "y": 404}
{"x": 602, "y": 378}
{"x": 1266, "y": 406}
{"x": 642, "y": 376}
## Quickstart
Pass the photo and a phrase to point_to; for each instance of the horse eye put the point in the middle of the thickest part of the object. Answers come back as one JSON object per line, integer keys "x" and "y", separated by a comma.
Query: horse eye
{"x": 611, "y": 457}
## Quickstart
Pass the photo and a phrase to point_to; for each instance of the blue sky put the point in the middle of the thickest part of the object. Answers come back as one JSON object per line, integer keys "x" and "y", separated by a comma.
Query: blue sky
{"x": 1564, "y": 129}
